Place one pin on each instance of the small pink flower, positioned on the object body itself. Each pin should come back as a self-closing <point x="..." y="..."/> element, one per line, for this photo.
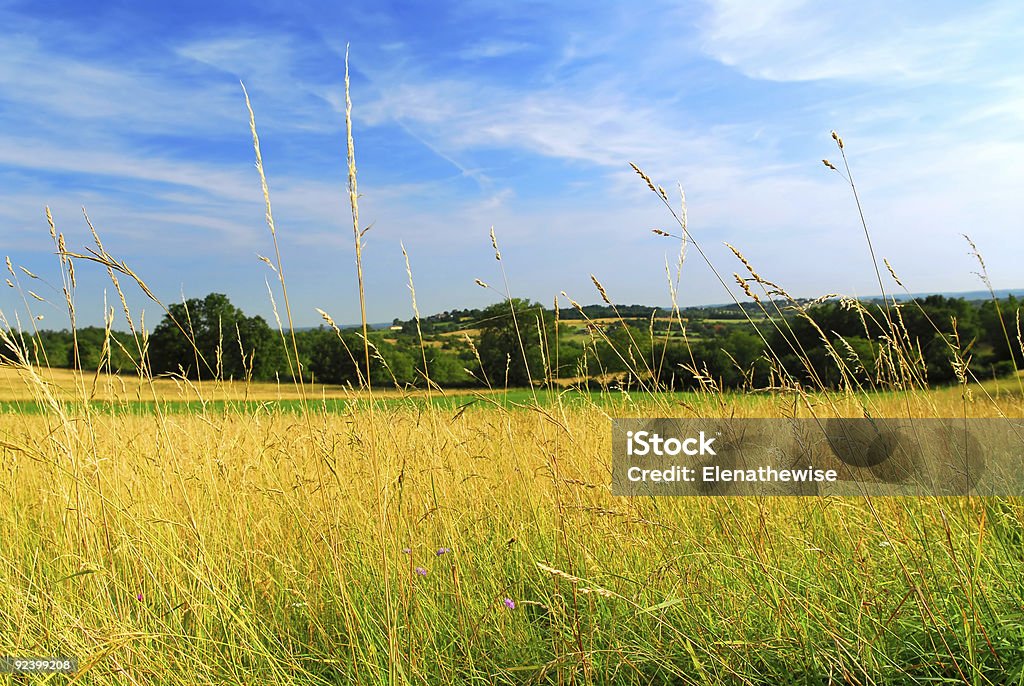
<point x="420" y="571"/>
<point x="509" y="603"/>
<point x="139" y="597"/>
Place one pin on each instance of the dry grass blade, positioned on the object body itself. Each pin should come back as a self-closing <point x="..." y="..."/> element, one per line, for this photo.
<point x="353" y="196"/>
<point x="294" y="363"/>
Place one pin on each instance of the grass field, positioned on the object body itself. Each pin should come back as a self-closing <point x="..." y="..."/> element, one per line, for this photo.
<point x="405" y="542"/>
<point x="164" y="531"/>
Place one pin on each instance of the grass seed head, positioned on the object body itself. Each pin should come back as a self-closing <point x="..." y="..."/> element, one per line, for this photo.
<point x="600" y="289"/>
<point x="494" y="242"/>
<point x="892" y="273"/>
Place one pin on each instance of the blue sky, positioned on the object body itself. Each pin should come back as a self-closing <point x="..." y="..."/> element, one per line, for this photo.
<point x="523" y="116"/>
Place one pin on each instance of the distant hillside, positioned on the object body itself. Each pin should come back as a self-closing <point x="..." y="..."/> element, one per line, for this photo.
<point x="969" y="296"/>
<point x="455" y="319"/>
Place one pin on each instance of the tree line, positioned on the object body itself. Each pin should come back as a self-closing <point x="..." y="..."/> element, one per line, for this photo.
<point x="518" y="343"/>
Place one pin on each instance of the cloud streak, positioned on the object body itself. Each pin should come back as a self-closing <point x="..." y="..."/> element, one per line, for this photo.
<point x="798" y="40"/>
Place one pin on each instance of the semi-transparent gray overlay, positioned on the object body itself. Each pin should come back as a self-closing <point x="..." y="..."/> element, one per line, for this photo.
<point x="817" y="457"/>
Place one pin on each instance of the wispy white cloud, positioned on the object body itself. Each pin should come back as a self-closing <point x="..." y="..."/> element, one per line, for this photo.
<point x="491" y="49"/>
<point x="110" y="160"/>
<point x="294" y="77"/>
<point x="44" y="89"/>
<point x="799" y="40"/>
<point x="600" y="127"/>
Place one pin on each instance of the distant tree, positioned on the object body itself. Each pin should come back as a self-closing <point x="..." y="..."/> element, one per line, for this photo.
<point x="570" y="354"/>
<point x="47" y="348"/>
<point x="446" y="369"/>
<point x="630" y="347"/>
<point x="90" y="348"/>
<point x="510" y="339"/>
<point x="211" y="337"/>
<point x="338" y="359"/>
<point x="334" y="358"/>
<point x="999" y="329"/>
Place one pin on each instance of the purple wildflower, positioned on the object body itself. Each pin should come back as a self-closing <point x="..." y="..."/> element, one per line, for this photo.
<point x="443" y="551"/>
<point x="509" y="603"/>
<point x="420" y="571"/>
<point x="139" y="596"/>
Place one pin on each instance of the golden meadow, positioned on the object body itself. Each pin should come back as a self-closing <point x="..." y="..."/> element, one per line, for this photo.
<point x="258" y="533"/>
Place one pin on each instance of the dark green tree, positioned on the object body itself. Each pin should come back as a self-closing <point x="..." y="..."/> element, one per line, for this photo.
<point x="335" y="358"/>
<point x="96" y="351"/>
<point x="510" y="339"/>
<point x="446" y="368"/>
<point x="998" y="325"/>
<point x="212" y="338"/>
